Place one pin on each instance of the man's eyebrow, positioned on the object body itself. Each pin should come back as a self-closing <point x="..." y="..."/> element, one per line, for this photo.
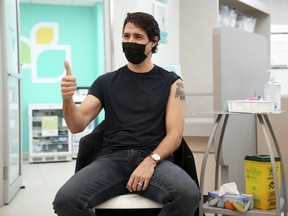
<point x="138" y="34"/>
<point x="134" y="34"/>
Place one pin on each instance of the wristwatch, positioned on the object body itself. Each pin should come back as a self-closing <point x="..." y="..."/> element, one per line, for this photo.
<point x="155" y="157"/>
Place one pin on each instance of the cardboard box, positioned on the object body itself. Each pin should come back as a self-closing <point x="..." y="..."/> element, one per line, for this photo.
<point x="242" y="202"/>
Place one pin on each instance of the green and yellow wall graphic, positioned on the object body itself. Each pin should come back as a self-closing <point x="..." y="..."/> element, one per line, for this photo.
<point x="43" y="46"/>
<point x="50" y="34"/>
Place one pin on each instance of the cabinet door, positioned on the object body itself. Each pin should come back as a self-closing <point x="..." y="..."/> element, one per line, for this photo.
<point x="240" y="61"/>
<point x="11" y="98"/>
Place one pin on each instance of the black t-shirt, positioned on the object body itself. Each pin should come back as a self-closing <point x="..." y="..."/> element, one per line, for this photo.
<point x="135" y="107"/>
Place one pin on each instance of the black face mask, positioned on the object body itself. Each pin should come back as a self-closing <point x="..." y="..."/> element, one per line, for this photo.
<point x="135" y="53"/>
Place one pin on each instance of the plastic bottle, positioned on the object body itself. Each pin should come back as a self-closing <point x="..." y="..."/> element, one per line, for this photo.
<point x="272" y="91"/>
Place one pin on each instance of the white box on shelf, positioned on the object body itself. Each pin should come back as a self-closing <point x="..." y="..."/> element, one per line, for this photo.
<point x="250" y="106"/>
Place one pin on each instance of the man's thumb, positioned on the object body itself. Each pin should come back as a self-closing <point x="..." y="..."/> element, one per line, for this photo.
<point x="67" y="68"/>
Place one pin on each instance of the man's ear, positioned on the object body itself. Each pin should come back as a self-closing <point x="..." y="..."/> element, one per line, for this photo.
<point x="155" y="40"/>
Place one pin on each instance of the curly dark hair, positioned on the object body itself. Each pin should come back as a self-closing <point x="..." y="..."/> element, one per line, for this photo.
<point x="146" y="22"/>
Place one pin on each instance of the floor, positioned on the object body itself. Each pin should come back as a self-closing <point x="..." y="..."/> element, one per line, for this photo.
<point x="41" y="182"/>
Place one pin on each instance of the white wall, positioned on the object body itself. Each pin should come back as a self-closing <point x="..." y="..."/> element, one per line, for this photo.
<point x="279" y="17"/>
<point x="279" y="10"/>
<point x="168" y="54"/>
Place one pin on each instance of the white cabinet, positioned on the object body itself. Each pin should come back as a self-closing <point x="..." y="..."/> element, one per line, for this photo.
<point x="49" y="137"/>
<point x="197" y="21"/>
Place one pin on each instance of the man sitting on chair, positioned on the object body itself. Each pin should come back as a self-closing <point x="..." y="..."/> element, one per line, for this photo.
<point x="144" y="120"/>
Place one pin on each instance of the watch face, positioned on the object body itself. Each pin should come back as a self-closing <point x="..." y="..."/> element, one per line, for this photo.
<point x="155" y="157"/>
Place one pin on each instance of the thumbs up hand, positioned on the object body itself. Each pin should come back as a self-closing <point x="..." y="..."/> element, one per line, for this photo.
<point x="67" y="68"/>
<point x="68" y="83"/>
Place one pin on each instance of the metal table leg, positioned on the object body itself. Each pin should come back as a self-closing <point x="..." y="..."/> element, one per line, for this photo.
<point x="205" y="157"/>
<point x="268" y="130"/>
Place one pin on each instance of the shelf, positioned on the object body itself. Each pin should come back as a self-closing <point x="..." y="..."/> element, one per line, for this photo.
<point x="253" y="212"/>
<point x="43" y="137"/>
<point x="50" y="158"/>
<point x="247" y="6"/>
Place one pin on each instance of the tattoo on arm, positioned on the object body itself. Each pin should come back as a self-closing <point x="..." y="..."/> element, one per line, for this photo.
<point x="180" y="91"/>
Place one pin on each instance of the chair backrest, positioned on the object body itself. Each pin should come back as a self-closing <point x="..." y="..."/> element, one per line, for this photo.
<point x="89" y="147"/>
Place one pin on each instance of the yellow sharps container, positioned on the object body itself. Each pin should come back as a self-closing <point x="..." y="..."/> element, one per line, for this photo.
<point x="260" y="181"/>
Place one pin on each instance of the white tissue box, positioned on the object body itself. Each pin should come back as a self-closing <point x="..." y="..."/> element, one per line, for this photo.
<point x="242" y="202"/>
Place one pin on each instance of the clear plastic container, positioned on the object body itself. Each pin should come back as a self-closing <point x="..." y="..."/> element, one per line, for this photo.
<point x="272" y="91"/>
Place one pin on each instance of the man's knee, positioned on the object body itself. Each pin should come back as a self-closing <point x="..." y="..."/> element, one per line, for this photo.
<point x="190" y="191"/>
<point x="63" y="201"/>
<point x="59" y="203"/>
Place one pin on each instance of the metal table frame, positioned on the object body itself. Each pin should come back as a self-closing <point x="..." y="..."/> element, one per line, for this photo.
<point x="270" y="139"/>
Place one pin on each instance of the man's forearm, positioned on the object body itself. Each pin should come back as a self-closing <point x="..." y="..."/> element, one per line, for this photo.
<point x="73" y="116"/>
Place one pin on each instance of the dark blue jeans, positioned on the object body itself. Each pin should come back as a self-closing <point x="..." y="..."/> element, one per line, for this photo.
<point x="107" y="177"/>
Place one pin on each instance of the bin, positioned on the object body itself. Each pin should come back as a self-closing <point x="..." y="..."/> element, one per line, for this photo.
<point x="260" y="180"/>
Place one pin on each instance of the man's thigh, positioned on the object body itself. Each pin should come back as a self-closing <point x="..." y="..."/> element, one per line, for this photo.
<point x="168" y="178"/>
<point x="102" y="179"/>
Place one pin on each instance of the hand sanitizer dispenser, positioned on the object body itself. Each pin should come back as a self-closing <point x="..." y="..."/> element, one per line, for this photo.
<point x="272" y="91"/>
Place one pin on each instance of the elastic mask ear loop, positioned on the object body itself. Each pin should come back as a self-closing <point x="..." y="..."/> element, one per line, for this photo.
<point x="151" y="48"/>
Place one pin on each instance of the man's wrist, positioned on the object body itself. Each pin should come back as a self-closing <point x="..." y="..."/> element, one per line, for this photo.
<point x="156" y="157"/>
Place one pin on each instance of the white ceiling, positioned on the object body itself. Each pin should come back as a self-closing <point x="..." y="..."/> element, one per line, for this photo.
<point x="63" y="2"/>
